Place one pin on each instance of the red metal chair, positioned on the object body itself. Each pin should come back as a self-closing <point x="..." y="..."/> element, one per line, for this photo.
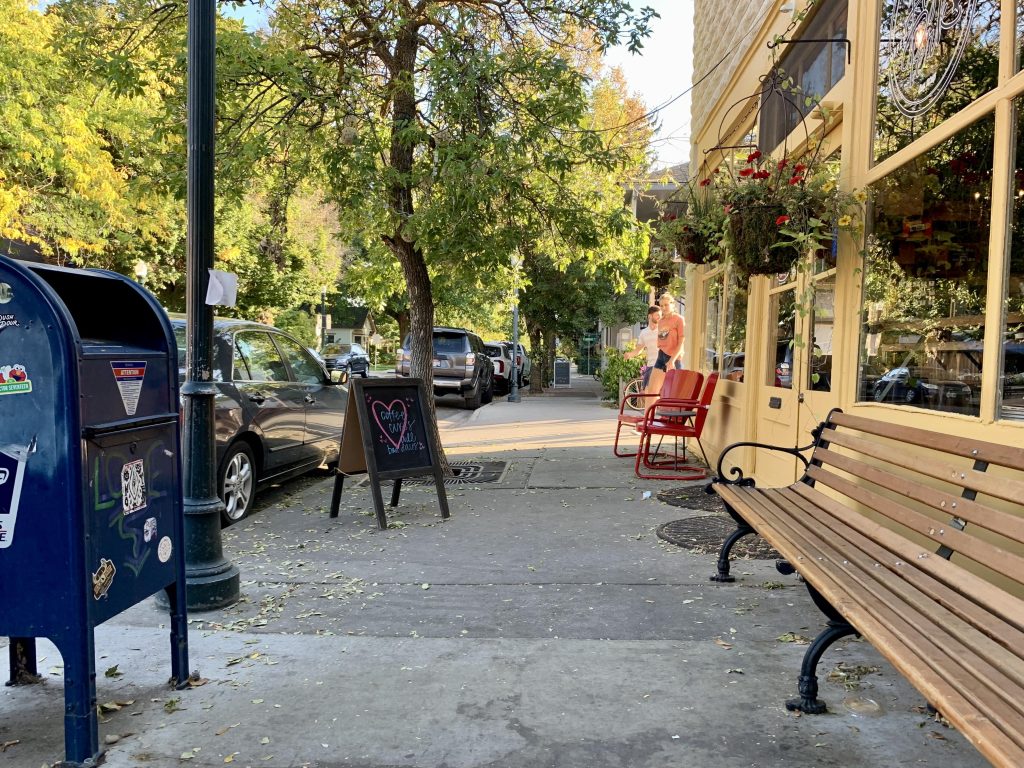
<point x="675" y="418"/>
<point x="678" y="385"/>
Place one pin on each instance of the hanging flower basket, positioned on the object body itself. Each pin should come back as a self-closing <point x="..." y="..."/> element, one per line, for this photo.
<point x="695" y="247"/>
<point x="755" y="242"/>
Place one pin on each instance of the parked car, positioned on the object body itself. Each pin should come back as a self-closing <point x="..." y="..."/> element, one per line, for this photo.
<point x="278" y="412"/>
<point x="461" y="365"/>
<point x="501" y="355"/>
<point x="347" y="357"/>
<point x="523" y="363"/>
<point x="906" y="385"/>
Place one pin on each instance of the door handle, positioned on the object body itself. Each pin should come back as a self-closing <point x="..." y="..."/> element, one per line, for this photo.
<point x="800" y="397"/>
<point x="257" y="397"/>
<point x="309" y="399"/>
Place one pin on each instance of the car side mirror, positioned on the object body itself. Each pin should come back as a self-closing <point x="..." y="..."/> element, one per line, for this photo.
<point x="339" y="377"/>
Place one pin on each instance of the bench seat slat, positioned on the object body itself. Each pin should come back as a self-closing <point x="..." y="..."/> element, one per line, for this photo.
<point x="913" y="636"/>
<point x="992" y="741"/>
<point x="969" y="448"/>
<point x="903" y="582"/>
<point x="995" y="520"/>
<point x="1008" y="489"/>
<point x="1006" y="563"/>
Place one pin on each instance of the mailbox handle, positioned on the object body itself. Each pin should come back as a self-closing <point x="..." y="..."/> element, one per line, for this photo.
<point x="309" y="399"/>
<point x="128" y="425"/>
<point x="257" y="397"/>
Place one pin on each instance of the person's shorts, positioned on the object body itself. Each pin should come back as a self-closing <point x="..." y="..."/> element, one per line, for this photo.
<point x="647" y="374"/>
<point x="662" y="362"/>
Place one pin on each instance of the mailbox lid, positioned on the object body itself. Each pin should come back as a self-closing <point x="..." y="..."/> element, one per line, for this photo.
<point x="128" y="357"/>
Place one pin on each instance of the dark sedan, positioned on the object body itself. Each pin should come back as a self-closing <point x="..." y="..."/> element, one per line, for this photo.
<point x="278" y="412"/>
<point x="346" y="357"/>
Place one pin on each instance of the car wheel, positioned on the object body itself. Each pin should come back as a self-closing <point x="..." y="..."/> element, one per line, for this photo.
<point x="879" y="394"/>
<point x="910" y="396"/>
<point x="473" y="398"/>
<point x="488" y="394"/>
<point x="366" y="371"/>
<point x="237" y="482"/>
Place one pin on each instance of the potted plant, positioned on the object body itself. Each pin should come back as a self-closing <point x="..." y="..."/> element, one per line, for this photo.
<point x="697" y="233"/>
<point x="779" y="210"/>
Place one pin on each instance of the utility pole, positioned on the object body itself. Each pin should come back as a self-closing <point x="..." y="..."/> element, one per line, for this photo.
<point x="211" y="581"/>
<point x="323" y="317"/>
<point x="513" y="382"/>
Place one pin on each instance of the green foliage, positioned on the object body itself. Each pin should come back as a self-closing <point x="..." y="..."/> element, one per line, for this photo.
<point x="617" y="368"/>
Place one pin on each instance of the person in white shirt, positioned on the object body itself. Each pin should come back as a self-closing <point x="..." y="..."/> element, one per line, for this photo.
<point x="647" y="343"/>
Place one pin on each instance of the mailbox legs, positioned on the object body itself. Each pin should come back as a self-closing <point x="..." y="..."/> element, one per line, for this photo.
<point x="23" y="661"/>
<point x="179" y="633"/>
<point x="81" y="727"/>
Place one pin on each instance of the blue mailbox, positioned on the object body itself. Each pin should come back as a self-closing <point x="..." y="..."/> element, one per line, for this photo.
<point x="91" y="517"/>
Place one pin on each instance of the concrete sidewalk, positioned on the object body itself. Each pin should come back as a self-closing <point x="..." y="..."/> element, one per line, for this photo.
<point x="543" y="625"/>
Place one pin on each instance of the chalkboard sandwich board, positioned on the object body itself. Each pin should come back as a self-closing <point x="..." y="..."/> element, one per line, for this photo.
<point x="388" y="435"/>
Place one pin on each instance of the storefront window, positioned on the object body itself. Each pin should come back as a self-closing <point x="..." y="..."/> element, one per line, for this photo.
<point x="819" y="360"/>
<point x="713" y="291"/>
<point x="781" y="340"/>
<point x="925" y="277"/>
<point x="813" y="68"/>
<point x="931" y="65"/>
<point x="1020" y="34"/>
<point x="734" y="343"/>
<point x="1011" y="387"/>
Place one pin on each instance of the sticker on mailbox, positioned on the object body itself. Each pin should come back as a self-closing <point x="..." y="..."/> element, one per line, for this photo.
<point x="129" y="375"/>
<point x="7" y="320"/>
<point x="103" y="578"/>
<point x="133" y="486"/>
<point x="14" y="380"/>
<point x="12" y="472"/>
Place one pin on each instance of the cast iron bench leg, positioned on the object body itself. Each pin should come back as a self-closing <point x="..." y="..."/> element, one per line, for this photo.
<point x="742" y="529"/>
<point x="809" y="703"/>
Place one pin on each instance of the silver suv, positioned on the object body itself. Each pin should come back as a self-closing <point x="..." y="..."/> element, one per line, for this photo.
<point x="461" y="366"/>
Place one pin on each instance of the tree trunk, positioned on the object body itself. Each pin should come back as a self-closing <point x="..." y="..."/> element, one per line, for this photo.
<point x="400" y="193"/>
<point x="538" y="358"/>
<point x="549" y="353"/>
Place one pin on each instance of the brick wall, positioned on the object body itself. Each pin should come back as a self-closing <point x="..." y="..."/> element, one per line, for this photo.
<point x="721" y="26"/>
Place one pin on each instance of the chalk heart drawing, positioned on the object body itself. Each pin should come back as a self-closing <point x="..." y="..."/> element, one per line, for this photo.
<point x="389" y="421"/>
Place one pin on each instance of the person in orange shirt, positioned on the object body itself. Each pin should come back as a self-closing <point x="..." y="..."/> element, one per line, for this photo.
<point x="671" y="332"/>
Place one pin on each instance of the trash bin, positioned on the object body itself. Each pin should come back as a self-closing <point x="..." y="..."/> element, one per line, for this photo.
<point x="90" y="473"/>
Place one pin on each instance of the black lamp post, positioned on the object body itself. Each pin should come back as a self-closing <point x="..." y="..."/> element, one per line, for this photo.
<point x="212" y="582"/>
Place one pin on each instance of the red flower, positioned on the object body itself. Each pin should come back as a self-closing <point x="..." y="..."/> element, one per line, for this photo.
<point x="746" y="172"/>
<point x="781" y="220"/>
<point x="705" y="182"/>
<point x="761" y="174"/>
<point x="727" y="208"/>
<point x="783" y="163"/>
<point x="799" y="168"/>
<point x="796" y="180"/>
<point x="753" y="155"/>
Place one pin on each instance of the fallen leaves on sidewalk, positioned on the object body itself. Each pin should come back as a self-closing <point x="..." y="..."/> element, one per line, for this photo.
<point x="722" y="644"/>
<point x="4" y="745"/>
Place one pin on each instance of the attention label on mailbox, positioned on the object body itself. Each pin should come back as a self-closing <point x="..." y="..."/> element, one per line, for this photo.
<point x="129" y="375"/>
<point x="12" y="471"/>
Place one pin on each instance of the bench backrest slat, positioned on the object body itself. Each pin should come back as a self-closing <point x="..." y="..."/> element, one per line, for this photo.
<point x="995" y="520"/>
<point x="1009" y="565"/>
<point x="980" y="591"/>
<point x="980" y="450"/>
<point x="1007" y="489"/>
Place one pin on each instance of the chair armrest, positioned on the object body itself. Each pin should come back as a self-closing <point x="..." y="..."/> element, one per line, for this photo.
<point x="622" y="405"/>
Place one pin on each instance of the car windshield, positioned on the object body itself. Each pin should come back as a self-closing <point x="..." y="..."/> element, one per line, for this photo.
<point x="337" y="349"/>
<point x="493" y="350"/>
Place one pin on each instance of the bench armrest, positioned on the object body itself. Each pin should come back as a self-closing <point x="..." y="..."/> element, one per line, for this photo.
<point x="740" y="479"/>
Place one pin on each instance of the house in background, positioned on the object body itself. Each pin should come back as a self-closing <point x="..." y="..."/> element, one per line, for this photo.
<point x="347" y="324"/>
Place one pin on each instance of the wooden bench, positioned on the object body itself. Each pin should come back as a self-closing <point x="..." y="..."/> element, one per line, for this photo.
<point x="862" y="526"/>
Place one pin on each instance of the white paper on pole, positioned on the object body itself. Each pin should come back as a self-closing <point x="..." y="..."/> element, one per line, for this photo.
<point x="223" y="288"/>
